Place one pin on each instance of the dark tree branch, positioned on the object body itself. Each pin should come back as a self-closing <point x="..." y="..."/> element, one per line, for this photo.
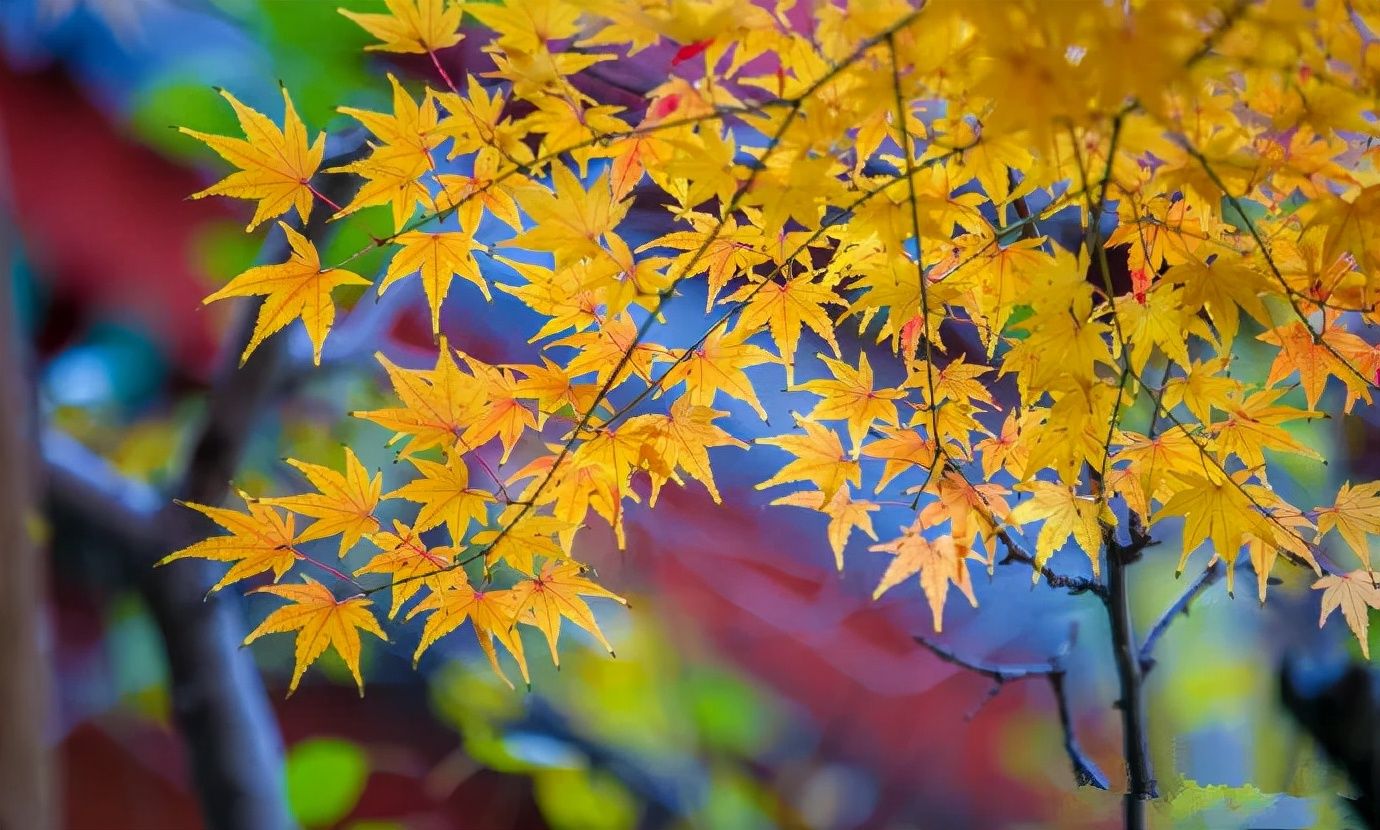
<point x="1210" y="575"/>
<point x="1074" y="584"/>
<point x="1140" y="779"/>
<point x="1085" y="770"/>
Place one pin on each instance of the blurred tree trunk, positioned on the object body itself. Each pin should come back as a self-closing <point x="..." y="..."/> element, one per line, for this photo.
<point x="26" y="801"/>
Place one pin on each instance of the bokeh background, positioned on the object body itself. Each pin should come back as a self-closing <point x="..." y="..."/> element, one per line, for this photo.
<point x="754" y="685"/>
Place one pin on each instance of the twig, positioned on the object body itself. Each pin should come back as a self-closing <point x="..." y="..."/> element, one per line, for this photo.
<point x="1204" y="580"/>
<point x="1074" y="584"/>
<point x="1085" y="770"/>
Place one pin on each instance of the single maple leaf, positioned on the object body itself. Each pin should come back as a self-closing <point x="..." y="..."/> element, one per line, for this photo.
<point x="436" y="258"/>
<point x="555" y="593"/>
<point x="849" y="396"/>
<point x="680" y="440"/>
<point x="505" y="415"/>
<point x="528" y="536"/>
<point x="1355" y="593"/>
<point x="345" y="504"/>
<point x="259" y="541"/>
<point x="491" y="612"/>
<point x="297" y="288"/>
<point x="901" y="449"/>
<point x="412" y="26"/>
<point x="1354" y="515"/>
<point x="1065" y="514"/>
<point x="437" y="404"/>
<point x="276" y="165"/>
<point x="1215" y="508"/>
<point x="1315" y="359"/>
<point x="844" y="514"/>
<point x="446" y="497"/>
<point x="820" y="459"/>
<point x="785" y="307"/>
<point x="408" y="560"/>
<point x="717" y="366"/>
<point x="939" y="563"/>
<point x="320" y="620"/>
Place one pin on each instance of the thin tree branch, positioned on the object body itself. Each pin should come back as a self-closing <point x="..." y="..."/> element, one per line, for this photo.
<point x="1074" y="584"/>
<point x="1085" y="770"/>
<point x="1210" y="575"/>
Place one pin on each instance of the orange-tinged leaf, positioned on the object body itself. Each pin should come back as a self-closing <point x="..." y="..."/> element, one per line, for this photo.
<point x="939" y="563"/>
<point x="345" y="504"/>
<point x="901" y="449"/>
<point x="680" y="440"/>
<point x="320" y="621"/>
<point x="819" y="458"/>
<point x="1355" y="593"/>
<point x="844" y="514"/>
<point x="493" y="614"/>
<point x="1314" y="358"/>
<point x="298" y="288"/>
<point x="261" y="540"/>
<point x="412" y="26"/>
<point x="556" y="593"/>
<point x="1354" y="515"/>
<point x="276" y="165"/>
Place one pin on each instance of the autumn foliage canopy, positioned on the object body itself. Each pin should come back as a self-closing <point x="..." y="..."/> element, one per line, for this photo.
<point x="888" y="170"/>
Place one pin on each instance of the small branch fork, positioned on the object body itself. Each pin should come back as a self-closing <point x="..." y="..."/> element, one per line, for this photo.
<point x="1085" y="771"/>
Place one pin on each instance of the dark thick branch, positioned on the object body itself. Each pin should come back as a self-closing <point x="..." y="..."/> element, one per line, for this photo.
<point x="1085" y="771"/>
<point x="1140" y="780"/>
<point x="1202" y="582"/>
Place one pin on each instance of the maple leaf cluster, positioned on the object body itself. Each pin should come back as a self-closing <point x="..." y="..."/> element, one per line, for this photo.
<point x="863" y="168"/>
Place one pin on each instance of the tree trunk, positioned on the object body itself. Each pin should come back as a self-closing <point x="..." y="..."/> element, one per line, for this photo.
<point x="25" y="763"/>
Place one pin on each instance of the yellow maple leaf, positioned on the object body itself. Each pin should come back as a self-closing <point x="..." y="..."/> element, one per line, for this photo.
<point x="1355" y="593"/>
<point x="901" y="449"/>
<point x="320" y="621"/>
<point x="297" y="288"/>
<point x="849" y="396"/>
<point x="820" y="459"/>
<point x="276" y="165"/>
<point x="785" y="307"/>
<point x="437" y="404"/>
<point x="680" y="440"/>
<point x="261" y="540"/>
<point x="435" y="258"/>
<point x="1216" y="508"/>
<point x="444" y="492"/>
<point x="344" y="505"/>
<point x="939" y="564"/>
<point x="408" y="560"/>
<point x="555" y="593"/>
<point x="412" y="26"/>
<point x="844" y="512"/>
<point x="1354" y="515"/>
<point x="716" y="366"/>
<point x="1065" y="514"/>
<point x="491" y="612"/>
<point x="527" y="537"/>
